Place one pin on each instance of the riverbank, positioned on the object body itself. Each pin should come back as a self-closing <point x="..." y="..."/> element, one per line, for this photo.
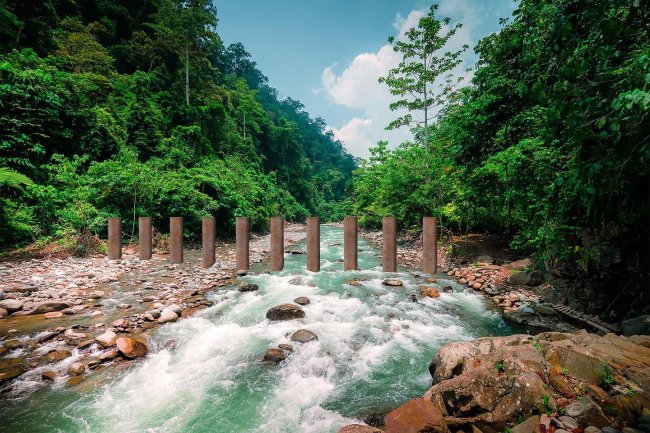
<point x="551" y="382"/>
<point x="65" y="318"/>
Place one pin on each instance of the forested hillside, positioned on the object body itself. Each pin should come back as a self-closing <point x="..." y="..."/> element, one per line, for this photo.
<point x="136" y="107"/>
<point x="548" y="143"/>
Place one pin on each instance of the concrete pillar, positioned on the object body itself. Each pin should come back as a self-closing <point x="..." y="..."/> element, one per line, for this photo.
<point x="242" y="232"/>
<point x="350" y="243"/>
<point x="389" y="228"/>
<point x="207" y="235"/>
<point x="144" y="238"/>
<point x="313" y="244"/>
<point x="114" y="238"/>
<point x="430" y="245"/>
<point x="176" y="239"/>
<point x="277" y="243"/>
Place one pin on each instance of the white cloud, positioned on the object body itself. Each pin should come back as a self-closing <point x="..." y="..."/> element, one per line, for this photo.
<point x="357" y="88"/>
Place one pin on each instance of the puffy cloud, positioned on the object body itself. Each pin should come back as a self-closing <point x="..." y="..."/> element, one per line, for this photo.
<point x="357" y="88"/>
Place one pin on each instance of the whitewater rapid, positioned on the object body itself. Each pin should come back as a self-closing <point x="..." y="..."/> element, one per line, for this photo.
<point x="372" y="354"/>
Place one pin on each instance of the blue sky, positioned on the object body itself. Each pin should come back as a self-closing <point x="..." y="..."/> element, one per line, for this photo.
<point x="329" y="53"/>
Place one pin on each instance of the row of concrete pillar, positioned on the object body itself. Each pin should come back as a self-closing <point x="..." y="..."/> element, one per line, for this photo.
<point x="242" y="233"/>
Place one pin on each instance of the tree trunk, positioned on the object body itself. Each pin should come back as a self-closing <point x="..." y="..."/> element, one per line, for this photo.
<point x="187" y="75"/>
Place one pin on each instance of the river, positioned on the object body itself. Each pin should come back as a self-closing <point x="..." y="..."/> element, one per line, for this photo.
<point x="373" y="352"/>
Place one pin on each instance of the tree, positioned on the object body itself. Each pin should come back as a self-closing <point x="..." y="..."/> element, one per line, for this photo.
<point x="414" y="79"/>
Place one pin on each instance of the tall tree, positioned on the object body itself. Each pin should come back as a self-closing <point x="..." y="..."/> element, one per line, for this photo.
<point x="414" y="79"/>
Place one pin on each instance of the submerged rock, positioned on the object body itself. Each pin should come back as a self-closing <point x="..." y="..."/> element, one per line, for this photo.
<point x="274" y="356"/>
<point x="131" y="348"/>
<point x="248" y="287"/>
<point x="429" y="292"/>
<point x="304" y="336"/>
<point x="58" y="355"/>
<point x="393" y="282"/>
<point x="285" y="312"/>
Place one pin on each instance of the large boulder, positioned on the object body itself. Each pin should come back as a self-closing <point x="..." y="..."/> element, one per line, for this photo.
<point x="11" y="305"/>
<point x="248" y="287"/>
<point x="417" y="416"/>
<point x="49" y="306"/>
<point x="274" y="356"/>
<point x="131" y="348"/>
<point x="285" y="312"/>
<point x="304" y="336"/>
<point x="167" y="315"/>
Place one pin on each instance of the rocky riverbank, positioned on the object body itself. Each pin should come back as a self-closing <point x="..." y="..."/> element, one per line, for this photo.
<point x="548" y="383"/>
<point x="63" y="319"/>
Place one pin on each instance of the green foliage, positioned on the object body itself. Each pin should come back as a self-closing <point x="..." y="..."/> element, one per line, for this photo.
<point x="606" y="378"/>
<point x="96" y="113"/>
<point x="500" y="366"/>
<point x="549" y="143"/>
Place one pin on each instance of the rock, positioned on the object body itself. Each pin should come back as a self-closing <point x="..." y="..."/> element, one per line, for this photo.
<point x="11" y="305"/>
<point x="176" y="309"/>
<point x="108" y="354"/>
<point x="241" y="273"/>
<point x="393" y="282"/>
<point x="3" y="313"/>
<point x="106" y="339"/>
<point x="462" y="281"/>
<point x="119" y="323"/>
<point x="75" y="380"/>
<point x="49" y="375"/>
<point x="296" y="252"/>
<point x="519" y="265"/>
<point x="416" y="416"/>
<point x="11" y="371"/>
<point x="636" y="326"/>
<point x="287" y="347"/>
<point x="569" y="423"/>
<point x="274" y="356"/>
<point x="484" y="259"/>
<point x="545" y="309"/>
<point x="592" y="429"/>
<point x="48" y="306"/>
<point x="304" y="336"/>
<point x="131" y="348"/>
<point x="429" y="292"/>
<point x="247" y="287"/>
<point x="536" y="278"/>
<point x="610" y="430"/>
<point x="53" y="315"/>
<point x="76" y="369"/>
<point x="84" y="344"/>
<point x="167" y="315"/>
<point x="519" y="278"/>
<point x="529" y="426"/>
<point x="154" y="313"/>
<point x="285" y="312"/>
<point x="586" y="412"/>
<point x="301" y="300"/>
<point x="58" y="355"/>
<point x="477" y="286"/>
<point x="358" y="428"/>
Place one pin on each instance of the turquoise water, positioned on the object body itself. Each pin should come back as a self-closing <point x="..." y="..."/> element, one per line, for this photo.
<point x="373" y="353"/>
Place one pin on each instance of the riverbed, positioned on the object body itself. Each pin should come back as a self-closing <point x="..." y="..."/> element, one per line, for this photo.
<point x="372" y="354"/>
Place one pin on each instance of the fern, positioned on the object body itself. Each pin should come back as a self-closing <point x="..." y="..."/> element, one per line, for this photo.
<point x="13" y="179"/>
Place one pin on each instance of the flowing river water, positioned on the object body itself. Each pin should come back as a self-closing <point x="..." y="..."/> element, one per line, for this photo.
<point x="373" y="352"/>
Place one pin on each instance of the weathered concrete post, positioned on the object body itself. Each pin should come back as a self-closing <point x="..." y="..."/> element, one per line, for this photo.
<point x="144" y="238"/>
<point x="207" y="236"/>
<point x="313" y="244"/>
<point x="241" y="237"/>
<point x="277" y="243"/>
<point x="430" y="245"/>
<point x="350" y="243"/>
<point x="114" y="238"/>
<point x="176" y="239"/>
<point x="389" y="228"/>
